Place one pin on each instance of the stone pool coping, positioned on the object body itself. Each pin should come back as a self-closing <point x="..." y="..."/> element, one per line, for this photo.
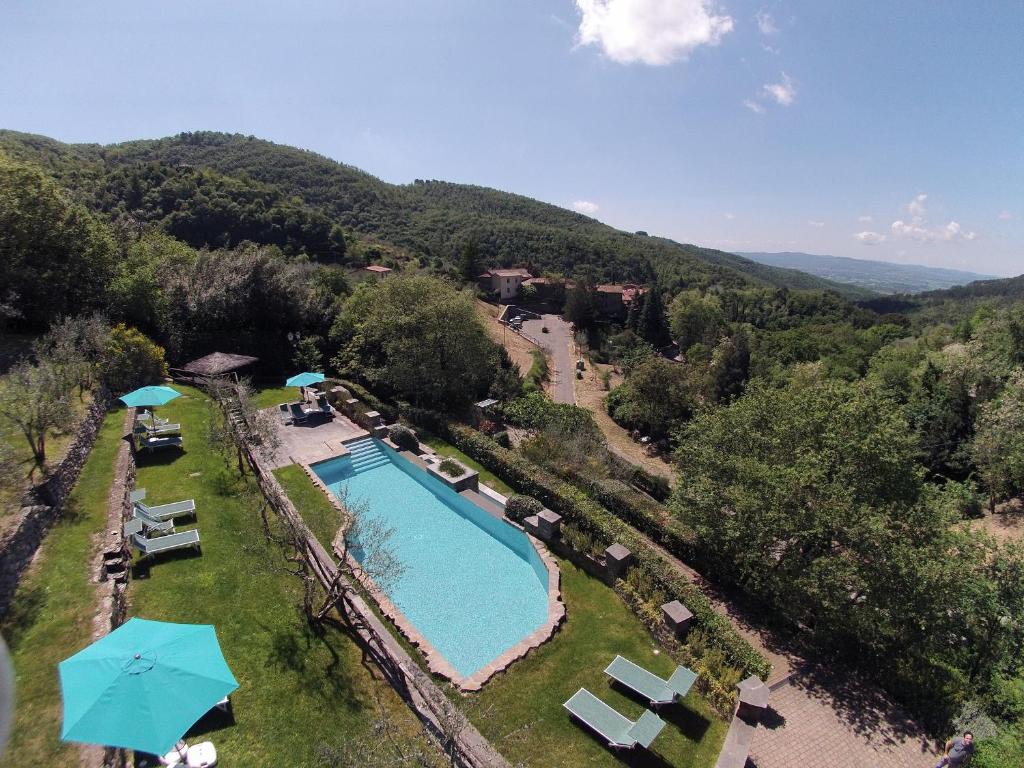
<point x="436" y="662"/>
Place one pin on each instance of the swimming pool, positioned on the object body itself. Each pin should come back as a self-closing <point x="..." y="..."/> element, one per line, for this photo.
<point x="473" y="586"/>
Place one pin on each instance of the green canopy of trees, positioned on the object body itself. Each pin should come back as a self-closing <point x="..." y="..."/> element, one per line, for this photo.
<point x="418" y="337"/>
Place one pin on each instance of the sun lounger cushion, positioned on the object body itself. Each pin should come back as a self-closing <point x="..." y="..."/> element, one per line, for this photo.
<point x="616" y="728"/>
<point x="649" y="685"/>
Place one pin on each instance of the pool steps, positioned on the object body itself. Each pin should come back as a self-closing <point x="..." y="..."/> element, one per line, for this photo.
<point x="366" y="454"/>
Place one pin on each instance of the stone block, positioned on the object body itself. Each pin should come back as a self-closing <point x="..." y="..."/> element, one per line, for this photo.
<point x="753" y="699"/>
<point x="617" y="558"/>
<point x="677" y="617"/>
<point x="549" y="525"/>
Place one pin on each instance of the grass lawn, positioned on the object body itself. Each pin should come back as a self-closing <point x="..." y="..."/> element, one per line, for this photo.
<point x="51" y="617"/>
<point x="441" y="448"/>
<point x="320" y="515"/>
<point x="57" y="444"/>
<point x="297" y="690"/>
<point x="530" y="694"/>
<point x="521" y="709"/>
<point x="265" y="398"/>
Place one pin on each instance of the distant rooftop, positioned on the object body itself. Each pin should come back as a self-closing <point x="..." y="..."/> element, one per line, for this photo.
<point x="508" y="273"/>
<point x="218" y="363"/>
<point x="378" y="268"/>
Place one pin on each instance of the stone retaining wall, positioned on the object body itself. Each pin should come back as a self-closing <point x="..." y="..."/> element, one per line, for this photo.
<point x="44" y="503"/>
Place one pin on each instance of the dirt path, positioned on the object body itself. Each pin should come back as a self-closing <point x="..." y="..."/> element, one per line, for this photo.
<point x="518" y="348"/>
<point x="590" y="394"/>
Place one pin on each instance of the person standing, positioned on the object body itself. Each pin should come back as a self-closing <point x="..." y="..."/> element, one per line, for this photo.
<point x="959" y="752"/>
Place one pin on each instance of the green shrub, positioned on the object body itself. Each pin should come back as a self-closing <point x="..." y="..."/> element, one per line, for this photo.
<point x="536" y="411"/>
<point x="132" y="360"/>
<point x="404" y="438"/>
<point x="374" y="403"/>
<point x="518" y="508"/>
<point x="502" y="439"/>
<point x="451" y="467"/>
<point x="538" y="373"/>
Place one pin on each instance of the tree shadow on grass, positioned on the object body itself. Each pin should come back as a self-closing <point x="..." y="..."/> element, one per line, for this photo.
<point x="294" y="650"/>
<point x="141" y="567"/>
<point x="159" y="458"/>
<point x="22" y="614"/>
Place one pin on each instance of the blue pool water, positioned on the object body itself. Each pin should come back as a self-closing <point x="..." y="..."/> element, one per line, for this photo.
<point x="473" y="585"/>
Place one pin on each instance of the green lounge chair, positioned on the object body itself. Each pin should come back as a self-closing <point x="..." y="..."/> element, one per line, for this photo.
<point x="161" y="512"/>
<point x="153" y="443"/>
<point x="146" y="526"/>
<point x="649" y="685"/>
<point x="618" y="730"/>
<point x="172" y="541"/>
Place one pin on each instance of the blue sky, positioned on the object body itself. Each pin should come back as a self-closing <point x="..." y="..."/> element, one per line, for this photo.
<point x="889" y="131"/>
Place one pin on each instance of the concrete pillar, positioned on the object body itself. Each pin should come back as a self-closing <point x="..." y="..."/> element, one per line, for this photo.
<point x="616" y="560"/>
<point x="677" y="617"/>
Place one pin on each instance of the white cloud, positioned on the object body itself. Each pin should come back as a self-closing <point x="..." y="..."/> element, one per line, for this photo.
<point x="918" y="228"/>
<point x="865" y="219"/>
<point x="816" y="224"/>
<point x="730" y="216"/>
<point x="783" y="92"/>
<point x="769" y="49"/>
<point x="753" y="106"/>
<point x="586" y="207"/>
<point x="870" y="238"/>
<point x="766" y="23"/>
<point x="655" y="32"/>
<point x="1005" y="215"/>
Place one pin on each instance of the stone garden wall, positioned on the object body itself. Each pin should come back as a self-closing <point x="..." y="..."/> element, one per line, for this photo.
<point x="44" y="503"/>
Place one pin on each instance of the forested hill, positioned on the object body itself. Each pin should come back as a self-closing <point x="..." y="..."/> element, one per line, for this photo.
<point x="880" y="276"/>
<point x="219" y="189"/>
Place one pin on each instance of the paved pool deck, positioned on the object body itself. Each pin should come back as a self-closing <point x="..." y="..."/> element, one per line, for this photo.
<point x="314" y="440"/>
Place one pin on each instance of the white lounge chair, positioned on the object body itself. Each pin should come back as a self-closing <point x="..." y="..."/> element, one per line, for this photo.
<point x="158" y="544"/>
<point x="161" y="512"/>
<point x="618" y="730"/>
<point x="649" y="685"/>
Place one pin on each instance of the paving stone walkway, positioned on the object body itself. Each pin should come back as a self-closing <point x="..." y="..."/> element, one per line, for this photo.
<point x="818" y="720"/>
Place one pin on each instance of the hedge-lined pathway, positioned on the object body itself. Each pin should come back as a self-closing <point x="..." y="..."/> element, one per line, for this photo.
<point x="817" y="719"/>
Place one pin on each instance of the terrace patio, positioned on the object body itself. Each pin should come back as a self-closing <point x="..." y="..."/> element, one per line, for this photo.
<point x="313" y="440"/>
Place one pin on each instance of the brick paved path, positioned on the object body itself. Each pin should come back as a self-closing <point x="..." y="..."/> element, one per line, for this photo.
<point x="819" y="721"/>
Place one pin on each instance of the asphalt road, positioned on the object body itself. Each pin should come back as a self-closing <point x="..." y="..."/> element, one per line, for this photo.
<point x="557" y="342"/>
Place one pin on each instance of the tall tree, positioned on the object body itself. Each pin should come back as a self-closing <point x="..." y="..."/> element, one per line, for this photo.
<point x="419" y="337"/>
<point x="580" y="307"/>
<point x="56" y="258"/>
<point x="36" y="400"/>
<point x="652" y="323"/>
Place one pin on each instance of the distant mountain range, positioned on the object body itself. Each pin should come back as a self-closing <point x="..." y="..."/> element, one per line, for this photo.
<point x="217" y="190"/>
<point x="879" y="276"/>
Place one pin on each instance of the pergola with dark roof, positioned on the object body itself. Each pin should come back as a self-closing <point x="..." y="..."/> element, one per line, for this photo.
<point x="218" y="364"/>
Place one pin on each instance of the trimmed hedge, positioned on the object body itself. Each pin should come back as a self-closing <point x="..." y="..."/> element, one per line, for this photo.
<point x="389" y="412"/>
<point x="519" y="508"/>
<point x="596" y="521"/>
<point x="404" y="438"/>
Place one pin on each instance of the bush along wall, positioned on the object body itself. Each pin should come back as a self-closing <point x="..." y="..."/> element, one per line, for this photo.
<point x="594" y="528"/>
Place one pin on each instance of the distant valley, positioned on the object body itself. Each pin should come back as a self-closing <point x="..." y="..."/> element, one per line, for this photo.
<point x="879" y="276"/>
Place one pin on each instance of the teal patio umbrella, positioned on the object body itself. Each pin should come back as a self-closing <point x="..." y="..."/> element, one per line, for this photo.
<point x="143" y="685"/>
<point x="304" y="379"/>
<point x="149" y="397"/>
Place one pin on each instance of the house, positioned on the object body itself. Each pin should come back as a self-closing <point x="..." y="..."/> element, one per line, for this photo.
<point x="377" y="270"/>
<point x="503" y="282"/>
<point x="547" y="288"/>
<point x="614" y="300"/>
